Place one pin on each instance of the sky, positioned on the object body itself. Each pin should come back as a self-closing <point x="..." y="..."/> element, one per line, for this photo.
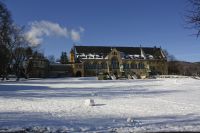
<point x="56" y="25"/>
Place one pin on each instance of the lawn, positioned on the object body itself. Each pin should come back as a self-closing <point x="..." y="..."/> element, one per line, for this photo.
<point x="168" y="104"/>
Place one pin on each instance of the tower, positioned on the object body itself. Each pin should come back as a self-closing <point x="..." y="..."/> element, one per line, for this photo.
<point x="72" y="55"/>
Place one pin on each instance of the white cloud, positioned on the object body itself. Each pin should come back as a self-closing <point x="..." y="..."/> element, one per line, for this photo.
<point x="40" y="29"/>
<point x="75" y="35"/>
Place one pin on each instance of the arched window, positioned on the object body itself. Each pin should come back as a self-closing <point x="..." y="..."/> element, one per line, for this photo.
<point x="114" y="63"/>
<point x="114" y="53"/>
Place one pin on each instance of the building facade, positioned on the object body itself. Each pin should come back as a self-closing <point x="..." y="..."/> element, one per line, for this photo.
<point x="38" y="67"/>
<point x="42" y="68"/>
<point x="140" y="61"/>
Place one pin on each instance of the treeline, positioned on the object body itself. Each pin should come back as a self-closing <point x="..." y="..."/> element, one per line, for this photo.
<point x="15" y="51"/>
<point x="181" y="67"/>
<point x="184" y="68"/>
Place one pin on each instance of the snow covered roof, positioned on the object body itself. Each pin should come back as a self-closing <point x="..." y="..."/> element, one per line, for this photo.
<point x="105" y="50"/>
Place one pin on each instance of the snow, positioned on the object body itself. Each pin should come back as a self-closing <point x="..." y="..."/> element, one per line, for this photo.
<point x="89" y="56"/>
<point x="130" y="120"/>
<point x="89" y="102"/>
<point x="149" y="56"/>
<point x="58" y="105"/>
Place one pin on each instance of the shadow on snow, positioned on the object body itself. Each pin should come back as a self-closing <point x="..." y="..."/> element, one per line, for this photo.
<point x="149" y="123"/>
<point x="25" y="91"/>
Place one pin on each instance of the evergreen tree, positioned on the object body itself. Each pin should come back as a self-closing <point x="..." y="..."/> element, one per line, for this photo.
<point x="64" y="58"/>
<point x="5" y="39"/>
<point x="4" y="61"/>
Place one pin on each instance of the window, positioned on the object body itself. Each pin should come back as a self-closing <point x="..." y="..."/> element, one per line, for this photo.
<point x="89" y="66"/>
<point x="114" y="53"/>
<point x="101" y="65"/>
<point x="85" y="66"/>
<point x="133" y="66"/>
<point x="125" y="65"/>
<point x="104" y="65"/>
<point x="94" y="65"/>
<point x="141" y="66"/>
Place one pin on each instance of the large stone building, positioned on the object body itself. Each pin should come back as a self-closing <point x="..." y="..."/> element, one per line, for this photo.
<point x="140" y="61"/>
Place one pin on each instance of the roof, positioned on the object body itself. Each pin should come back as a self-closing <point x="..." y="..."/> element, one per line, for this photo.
<point x="93" y="49"/>
<point x="106" y="49"/>
<point x="156" y="52"/>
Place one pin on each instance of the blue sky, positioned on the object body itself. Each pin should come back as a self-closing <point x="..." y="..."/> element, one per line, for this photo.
<point x="111" y="22"/>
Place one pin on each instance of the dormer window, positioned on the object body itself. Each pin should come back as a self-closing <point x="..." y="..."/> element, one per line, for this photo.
<point x="114" y="53"/>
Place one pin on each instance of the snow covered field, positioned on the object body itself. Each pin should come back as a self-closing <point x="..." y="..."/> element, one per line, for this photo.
<point x="121" y="105"/>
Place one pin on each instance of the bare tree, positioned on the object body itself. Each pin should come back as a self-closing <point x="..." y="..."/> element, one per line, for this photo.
<point x="169" y="56"/>
<point x="21" y="52"/>
<point x="193" y="16"/>
<point x="51" y="59"/>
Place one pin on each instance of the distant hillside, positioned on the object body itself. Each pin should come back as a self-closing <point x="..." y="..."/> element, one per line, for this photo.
<point x="184" y="68"/>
